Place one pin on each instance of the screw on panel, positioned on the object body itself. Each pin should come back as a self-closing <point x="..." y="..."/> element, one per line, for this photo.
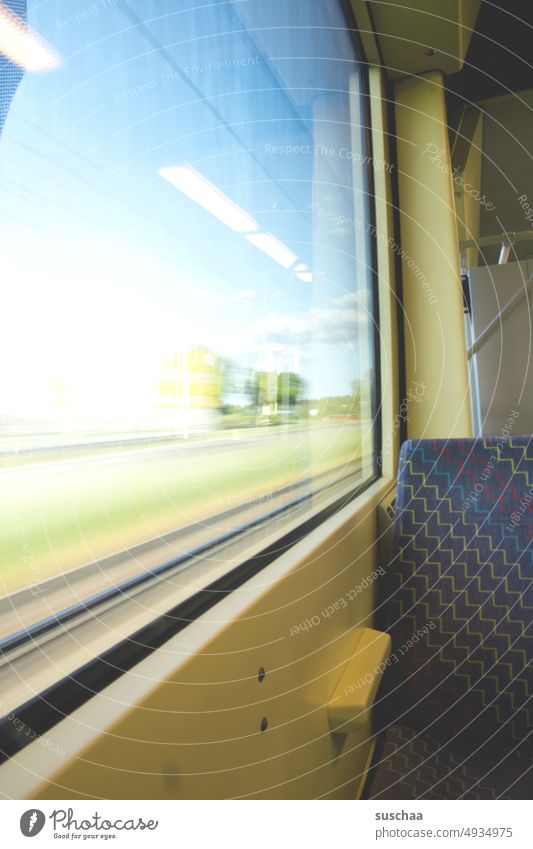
<point x="261" y="674"/>
<point x="264" y="724"/>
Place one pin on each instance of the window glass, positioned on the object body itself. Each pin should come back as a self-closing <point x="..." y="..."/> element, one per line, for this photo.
<point x="187" y="327"/>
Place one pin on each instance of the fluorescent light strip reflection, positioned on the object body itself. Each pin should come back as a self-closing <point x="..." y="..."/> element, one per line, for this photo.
<point x="193" y="184"/>
<point x="302" y="272"/>
<point x="199" y="189"/>
<point x="23" y="46"/>
<point x="275" y="249"/>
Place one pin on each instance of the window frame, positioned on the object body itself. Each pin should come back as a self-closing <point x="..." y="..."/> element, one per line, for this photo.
<point x="50" y="706"/>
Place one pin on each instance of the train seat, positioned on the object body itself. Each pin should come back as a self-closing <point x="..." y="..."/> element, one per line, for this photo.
<point x="454" y="710"/>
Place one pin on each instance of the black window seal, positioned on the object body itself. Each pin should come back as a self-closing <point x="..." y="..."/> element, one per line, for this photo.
<point x="46" y="709"/>
<point x="147" y="577"/>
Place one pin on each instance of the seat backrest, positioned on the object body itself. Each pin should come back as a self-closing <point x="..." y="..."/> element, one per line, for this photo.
<point x="457" y="598"/>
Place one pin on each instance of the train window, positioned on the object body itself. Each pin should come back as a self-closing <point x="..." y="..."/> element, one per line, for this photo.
<point x="188" y="328"/>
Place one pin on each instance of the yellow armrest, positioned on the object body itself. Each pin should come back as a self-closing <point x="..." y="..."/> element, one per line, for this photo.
<point x="350" y="705"/>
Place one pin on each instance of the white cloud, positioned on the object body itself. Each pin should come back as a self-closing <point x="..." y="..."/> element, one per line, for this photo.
<point x="245" y="294"/>
<point x="317" y="326"/>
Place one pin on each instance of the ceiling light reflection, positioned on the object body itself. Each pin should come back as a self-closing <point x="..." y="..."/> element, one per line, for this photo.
<point x="275" y="249"/>
<point x="23" y="46"/>
<point x="199" y="189"/>
<point x="193" y="184"/>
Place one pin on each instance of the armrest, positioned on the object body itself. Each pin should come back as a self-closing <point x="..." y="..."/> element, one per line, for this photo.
<point x="350" y="705"/>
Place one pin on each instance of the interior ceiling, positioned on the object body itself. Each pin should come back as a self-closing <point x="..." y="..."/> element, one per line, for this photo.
<point x="500" y="56"/>
<point x="499" y="63"/>
<point x="507" y="171"/>
<point x="416" y="36"/>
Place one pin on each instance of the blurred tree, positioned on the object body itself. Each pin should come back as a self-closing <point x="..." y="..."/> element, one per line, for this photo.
<point x="263" y="388"/>
<point x="291" y="388"/>
<point x="237" y="383"/>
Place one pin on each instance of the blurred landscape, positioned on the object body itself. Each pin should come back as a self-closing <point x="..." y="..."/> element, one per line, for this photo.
<point x="78" y="486"/>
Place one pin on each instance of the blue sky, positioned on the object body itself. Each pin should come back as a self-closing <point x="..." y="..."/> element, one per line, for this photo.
<point x="110" y="267"/>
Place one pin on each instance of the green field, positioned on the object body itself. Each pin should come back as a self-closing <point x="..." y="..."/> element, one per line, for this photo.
<point x="62" y="512"/>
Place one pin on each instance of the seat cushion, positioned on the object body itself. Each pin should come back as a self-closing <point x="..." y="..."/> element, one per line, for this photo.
<point x="412" y="765"/>
<point x="457" y="597"/>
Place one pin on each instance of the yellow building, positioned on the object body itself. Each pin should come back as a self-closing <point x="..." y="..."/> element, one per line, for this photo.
<point x="191" y="380"/>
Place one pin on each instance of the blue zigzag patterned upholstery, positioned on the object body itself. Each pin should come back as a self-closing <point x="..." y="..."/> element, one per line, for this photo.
<point x="458" y="595"/>
<point x="410" y="765"/>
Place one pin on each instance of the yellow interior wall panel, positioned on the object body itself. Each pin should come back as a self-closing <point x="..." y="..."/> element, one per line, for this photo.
<point x="435" y="346"/>
<point x="467" y="189"/>
<point x="382" y="170"/>
<point x="187" y="721"/>
<point x="194" y="720"/>
<point x="417" y="36"/>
